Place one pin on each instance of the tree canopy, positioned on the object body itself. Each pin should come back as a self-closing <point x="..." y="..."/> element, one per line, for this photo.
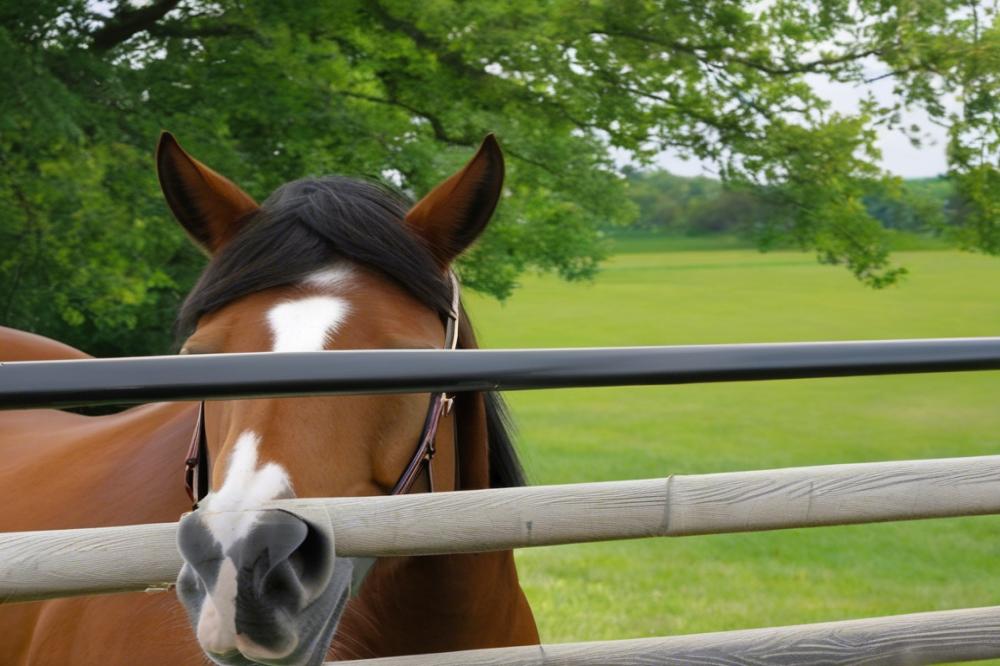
<point x="270" y="90"/>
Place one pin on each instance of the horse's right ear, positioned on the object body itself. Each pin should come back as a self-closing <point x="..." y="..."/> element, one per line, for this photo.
<point x="208" y="205"/>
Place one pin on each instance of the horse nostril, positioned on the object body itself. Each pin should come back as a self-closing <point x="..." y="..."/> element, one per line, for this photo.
<point x="312" y="561"/>
<point x="285" y="560"/>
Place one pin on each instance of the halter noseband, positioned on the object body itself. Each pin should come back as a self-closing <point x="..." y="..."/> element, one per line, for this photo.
<point x="196" y="466"/>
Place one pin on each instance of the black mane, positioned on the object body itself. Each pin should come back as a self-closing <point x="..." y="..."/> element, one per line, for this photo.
<point x="308" y="224"/>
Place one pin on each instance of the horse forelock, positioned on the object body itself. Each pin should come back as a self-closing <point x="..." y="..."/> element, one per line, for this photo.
<point x="305" y="228"/>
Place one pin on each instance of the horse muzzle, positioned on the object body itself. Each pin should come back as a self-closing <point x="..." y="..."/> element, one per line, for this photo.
<point x="261" y="587"/>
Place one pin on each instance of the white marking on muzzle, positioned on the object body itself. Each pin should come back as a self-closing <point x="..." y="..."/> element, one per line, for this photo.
<point x="228" y="514"/>
<point x="217" y="622"/>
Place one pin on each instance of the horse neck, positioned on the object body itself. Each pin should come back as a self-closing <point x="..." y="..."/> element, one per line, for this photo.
<point x="111" y="470"/>
<point x="419" y="605"/>
<point x="94" y="471"/>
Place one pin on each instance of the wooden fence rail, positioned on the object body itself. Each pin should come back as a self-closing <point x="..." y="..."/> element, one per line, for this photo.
<point x="903" y="640"/>
<point x="38" y="565"/>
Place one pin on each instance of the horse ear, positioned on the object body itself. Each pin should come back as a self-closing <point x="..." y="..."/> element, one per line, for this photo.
<point x="208" y="205"/>
<point x="455" y="212"/>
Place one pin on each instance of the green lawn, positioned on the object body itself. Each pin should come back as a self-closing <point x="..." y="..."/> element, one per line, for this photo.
<point x="671" y="586"/>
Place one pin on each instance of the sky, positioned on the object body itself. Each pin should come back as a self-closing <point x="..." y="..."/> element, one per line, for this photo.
<point x="899" y="157"/>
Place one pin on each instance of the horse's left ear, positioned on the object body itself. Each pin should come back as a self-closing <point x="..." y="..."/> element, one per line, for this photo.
<point x="455" y="212"/>
<point x="208" y="205"/>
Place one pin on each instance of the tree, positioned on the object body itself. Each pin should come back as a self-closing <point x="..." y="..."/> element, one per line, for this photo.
<point x="269" y="90"/>
<point x="663" y="200"/>
<point x="920" y="205"/>
<point x="700" y="205"/>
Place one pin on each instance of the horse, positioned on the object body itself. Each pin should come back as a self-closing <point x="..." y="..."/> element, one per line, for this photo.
<point x="323" y="263"/>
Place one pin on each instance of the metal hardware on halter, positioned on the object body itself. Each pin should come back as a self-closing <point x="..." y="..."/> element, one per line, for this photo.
<point x="196" y="464"/>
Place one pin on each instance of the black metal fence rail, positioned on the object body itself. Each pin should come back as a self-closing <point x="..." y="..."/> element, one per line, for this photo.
<point x="29" y="384"/>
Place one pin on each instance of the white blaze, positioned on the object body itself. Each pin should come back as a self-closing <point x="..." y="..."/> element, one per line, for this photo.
<point x="306" y="324"/>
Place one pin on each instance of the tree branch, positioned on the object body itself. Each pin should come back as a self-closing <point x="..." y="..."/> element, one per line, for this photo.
<point x="128" y="22"/>
<point x="425" y="41"/>
<point x="919" y="66"/>
<point x="436" y="125"/>
<point x="704" y="53"/>
<point x="179" y="29"/>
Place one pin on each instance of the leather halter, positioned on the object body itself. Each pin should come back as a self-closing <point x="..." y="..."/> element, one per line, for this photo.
<point x="196" y="466"/>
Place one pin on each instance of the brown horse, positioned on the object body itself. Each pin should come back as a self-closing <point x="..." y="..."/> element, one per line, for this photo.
<point x="327" y="263"/>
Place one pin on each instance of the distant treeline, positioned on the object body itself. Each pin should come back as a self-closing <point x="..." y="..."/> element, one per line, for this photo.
<point x="701" y="205"/>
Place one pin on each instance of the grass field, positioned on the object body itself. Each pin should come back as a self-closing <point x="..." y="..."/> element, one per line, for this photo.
<point x="670" y="586"/>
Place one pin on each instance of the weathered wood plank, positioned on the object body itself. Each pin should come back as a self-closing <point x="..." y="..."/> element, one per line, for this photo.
<point x="675" y="506"/>
<point x="45" y="564"/>
<point x="904" y="640"/>
<point x="63" y="563"/>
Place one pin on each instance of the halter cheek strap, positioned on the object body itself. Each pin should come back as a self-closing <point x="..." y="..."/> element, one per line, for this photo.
<point x="196" y="464"/>
<point x="196" y="468"/>
<point x="440" y="407"/>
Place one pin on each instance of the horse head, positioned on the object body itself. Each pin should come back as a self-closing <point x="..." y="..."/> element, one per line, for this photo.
<point x="322" y="264"/>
